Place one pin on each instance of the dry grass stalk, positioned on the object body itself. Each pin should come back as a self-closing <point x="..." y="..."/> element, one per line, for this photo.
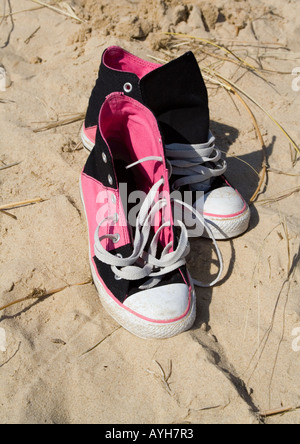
<point x="63" y="122"/>
<point x="59" y="11"/>
<point x="27" y="41"/>
<point x="39" y="293"/>
<point x="238" y="63"/>
<point x="211" y="43"/>
<point x="164" y="379"/>
<point x="262" y="145"/>
<point x="9" y="214"/>
<point x="294" y="156"/>
<point x="5" y="167"/>
<point x="287" y="236"/>
<point x="263" y="45"/>
<point x="21" y="204"/>
<point x="233" y="85"/>
<point x="21" y="12"/>
<point x="274" y="170"/>
<point x="269" y="413"/>
<point x="243" y="161"/>
<point x="279" y="197"/>
<point x="6" y="101"/>
<point x="102" y="340"/>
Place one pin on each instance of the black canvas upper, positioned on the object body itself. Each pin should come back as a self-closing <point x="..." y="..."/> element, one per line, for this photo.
<point x="95" y="166"/>
<point x="175" y="93"/>
<point x="109" y="81"/>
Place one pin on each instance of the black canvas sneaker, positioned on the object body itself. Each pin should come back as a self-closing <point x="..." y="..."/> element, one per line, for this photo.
<point x="137" y="261"/>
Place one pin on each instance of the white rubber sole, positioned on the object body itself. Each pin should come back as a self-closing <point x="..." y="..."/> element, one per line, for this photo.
<point x="86" y="141"/>
<point x="230" y="228"/>
<point x="225" y="228"/>
<point x="141" y="327"/>
<point x="135" y="324"/>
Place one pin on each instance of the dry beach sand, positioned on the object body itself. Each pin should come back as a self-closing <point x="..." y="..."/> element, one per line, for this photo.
<point x="62" y="358"/>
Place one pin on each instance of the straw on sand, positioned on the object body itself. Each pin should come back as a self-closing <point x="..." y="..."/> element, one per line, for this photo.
<point x="280" y="411"/>
<point x="295" y="145"/>
<point x="21" y="204"/>
<point x="211" y="43"/>
<point x="70" y="13"/>
<point x="21" y="11"/>
<point x="62" y="122"/>
<point x="42" y="293"/>
<point x="284" y="195"/>
<point x="5" y="167"/>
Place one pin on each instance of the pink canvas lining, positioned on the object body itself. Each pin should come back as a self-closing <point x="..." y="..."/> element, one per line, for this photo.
<point x="120" y="60"/>
<point x="133" y="127"/>
<point x="141" y="316"/>
<point x="126" y="124"/>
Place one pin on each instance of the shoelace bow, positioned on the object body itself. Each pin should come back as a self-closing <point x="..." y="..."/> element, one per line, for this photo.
<point x="142" y="264"/>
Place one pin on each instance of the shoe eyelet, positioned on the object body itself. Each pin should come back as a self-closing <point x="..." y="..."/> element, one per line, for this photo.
<point x="110" y="179"/>
<point x="113" y="199"/>
<point x="128" y="88"/>
<point x="104" y="157"/>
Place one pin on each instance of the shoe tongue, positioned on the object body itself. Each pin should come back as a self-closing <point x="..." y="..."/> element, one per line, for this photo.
<point x="177" y="95"/>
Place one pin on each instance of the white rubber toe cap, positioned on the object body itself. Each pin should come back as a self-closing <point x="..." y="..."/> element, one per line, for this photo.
<point x="224" y="202"/>
<point x="226" y="211"/>
<point x="168" y="303"/>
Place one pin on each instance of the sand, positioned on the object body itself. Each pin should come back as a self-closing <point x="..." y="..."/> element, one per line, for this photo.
<point x="242" y="357"/>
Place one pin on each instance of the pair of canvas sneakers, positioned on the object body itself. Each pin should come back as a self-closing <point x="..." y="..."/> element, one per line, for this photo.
<point x="148" y="129"/>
